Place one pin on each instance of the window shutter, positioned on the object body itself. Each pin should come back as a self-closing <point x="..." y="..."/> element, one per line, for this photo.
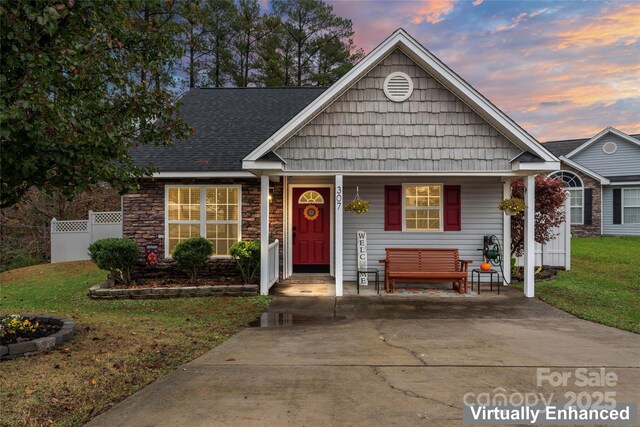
<point x="617" y="206"/>
<point x="393" y="207"/>
<point x="452" y="208"/>
<point x="588" y="206"/>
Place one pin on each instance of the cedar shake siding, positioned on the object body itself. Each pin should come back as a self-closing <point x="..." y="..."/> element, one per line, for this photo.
<point x="595" y="228"/>
<point x="365" y="131"/>
<point x="144" y="222"/>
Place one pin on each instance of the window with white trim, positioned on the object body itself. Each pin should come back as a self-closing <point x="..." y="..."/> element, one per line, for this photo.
<point x="422" y="207"/>
<point x="212" y="212"/>
<point x="631" y="205"/>
<point x="576" y="194"/>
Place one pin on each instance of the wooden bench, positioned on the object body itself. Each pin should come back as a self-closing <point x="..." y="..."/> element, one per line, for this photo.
<point x="424" y="265"/>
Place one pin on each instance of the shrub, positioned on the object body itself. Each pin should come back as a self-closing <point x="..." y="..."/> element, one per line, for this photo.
<point x="247" y="257"/>
<point x="118" y="256"/>
<point x="192" y="254"/>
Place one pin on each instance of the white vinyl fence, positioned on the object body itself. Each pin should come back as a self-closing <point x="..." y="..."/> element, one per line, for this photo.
<point x="556" y="253"/>
<point x="70" y="240"/>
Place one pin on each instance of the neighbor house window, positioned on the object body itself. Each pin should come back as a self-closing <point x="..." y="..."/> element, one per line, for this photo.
<point x="206" y="211"/>
<point x="422" y="207"/>
<point x="631" y="205"/>
<point x="576" y="194"/>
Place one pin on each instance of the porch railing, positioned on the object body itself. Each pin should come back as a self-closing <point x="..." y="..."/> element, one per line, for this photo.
<point x="274" y="262"/>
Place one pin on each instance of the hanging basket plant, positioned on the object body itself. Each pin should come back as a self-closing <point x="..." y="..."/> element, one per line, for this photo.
<point x="358" y="205"/>
<point x="512" y="206"/>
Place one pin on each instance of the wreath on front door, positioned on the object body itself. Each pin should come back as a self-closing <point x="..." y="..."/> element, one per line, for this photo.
<point x="311" y="212"/>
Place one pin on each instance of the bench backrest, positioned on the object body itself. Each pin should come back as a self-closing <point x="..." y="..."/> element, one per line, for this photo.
<point x="409" y="259"/>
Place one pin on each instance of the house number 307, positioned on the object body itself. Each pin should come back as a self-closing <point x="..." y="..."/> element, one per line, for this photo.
<point x="339" y="197"/>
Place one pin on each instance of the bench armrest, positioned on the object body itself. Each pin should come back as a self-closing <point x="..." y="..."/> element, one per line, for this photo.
<point x="464" y="264"/>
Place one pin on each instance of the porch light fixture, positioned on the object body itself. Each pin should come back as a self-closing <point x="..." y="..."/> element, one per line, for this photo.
<point x="271" y="194"/>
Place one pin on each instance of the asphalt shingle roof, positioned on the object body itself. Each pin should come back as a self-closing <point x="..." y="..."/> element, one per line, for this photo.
<point x="564" y="147"/>
<point x="229" y="123"/>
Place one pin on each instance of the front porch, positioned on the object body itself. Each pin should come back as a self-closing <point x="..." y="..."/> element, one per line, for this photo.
<point x="479" y="216"/>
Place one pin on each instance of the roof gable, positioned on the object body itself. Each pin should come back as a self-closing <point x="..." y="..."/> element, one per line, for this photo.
<point x="433" y="66"/>
<point x="364" y="131"/>
<point x="599" y="136"/>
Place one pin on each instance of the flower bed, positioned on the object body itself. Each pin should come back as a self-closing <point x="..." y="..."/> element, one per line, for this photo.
<point x="28" y="335"/>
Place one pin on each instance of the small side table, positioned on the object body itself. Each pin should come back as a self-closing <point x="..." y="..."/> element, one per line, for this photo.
<point x="369" y="271"/>
<point x="491" y="273"/>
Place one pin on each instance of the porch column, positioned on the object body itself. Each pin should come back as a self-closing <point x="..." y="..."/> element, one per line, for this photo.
<point x="264" y="234"/>
<point x="506" y="236"/>
<point x="339" y="196"/>
<point x="529" y="237"/>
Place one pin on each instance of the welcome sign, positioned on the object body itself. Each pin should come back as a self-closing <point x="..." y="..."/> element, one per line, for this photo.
<point x="361" y="241"/>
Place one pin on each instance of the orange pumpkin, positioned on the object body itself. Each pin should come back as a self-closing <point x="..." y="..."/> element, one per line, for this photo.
<point x="485" y="266"/>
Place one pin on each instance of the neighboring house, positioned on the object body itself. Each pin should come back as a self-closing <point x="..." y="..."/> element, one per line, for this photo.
<point x="431" y="154"/>
<point x="602" y="175"/>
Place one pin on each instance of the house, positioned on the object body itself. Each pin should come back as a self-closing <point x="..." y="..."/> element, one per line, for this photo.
<point x="431" y="154"/>
<point x="602" y="175"/>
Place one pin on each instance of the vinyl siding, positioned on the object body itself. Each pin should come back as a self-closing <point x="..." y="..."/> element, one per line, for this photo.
<point x="608" y="227"/>
<point x="364" y="131"/>
<point x="480" y="216"/>
<point x="625" y="161"/>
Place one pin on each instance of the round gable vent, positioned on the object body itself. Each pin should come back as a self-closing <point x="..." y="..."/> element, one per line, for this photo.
<point x="398" y="86"/>
<point x="609" y="147"/>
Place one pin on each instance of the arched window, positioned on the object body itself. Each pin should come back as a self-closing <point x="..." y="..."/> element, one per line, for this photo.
<point x="311" y="197"/>
<point x="576" y="194"/>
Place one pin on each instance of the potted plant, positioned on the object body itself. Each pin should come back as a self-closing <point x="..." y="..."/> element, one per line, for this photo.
<point x="512" y="206"/>
<point x="358" y="205"/>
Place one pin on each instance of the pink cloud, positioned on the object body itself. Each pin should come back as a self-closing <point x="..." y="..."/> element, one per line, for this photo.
<point x="431" y="11"/>
<point x="519" y="19"/>
<point x="619" y="25"/>
<point x="477" y="2"/>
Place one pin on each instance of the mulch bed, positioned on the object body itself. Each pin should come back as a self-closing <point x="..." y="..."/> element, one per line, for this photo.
<point x="44" y="330"/>
<point x="179" y="283"/>
<point x="546" y="273"/>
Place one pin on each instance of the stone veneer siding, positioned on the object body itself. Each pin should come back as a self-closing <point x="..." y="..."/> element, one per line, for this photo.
<point x="595" y="228"/>
<point x="143" y="221"/>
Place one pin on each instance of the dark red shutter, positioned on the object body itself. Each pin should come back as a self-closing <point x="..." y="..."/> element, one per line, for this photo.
<point x="393" y="207"/>
<point x="452" y="208"/>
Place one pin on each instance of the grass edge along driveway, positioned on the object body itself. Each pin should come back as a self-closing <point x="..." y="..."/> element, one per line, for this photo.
<point x="120" y="347"/>
<point x="603" y="285"/>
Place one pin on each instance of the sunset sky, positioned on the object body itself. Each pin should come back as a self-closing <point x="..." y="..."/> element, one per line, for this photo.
<point x="561" y="69"/>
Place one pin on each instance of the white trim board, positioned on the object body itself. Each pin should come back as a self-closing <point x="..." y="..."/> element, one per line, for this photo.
<point x="204" y="174"/>
<point x="600" y="135"/>
<point x="401" y="39"/>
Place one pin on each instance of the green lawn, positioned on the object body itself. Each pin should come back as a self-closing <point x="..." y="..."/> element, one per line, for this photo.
<point x="121" y="345"/>
<point x="604" y="282"/>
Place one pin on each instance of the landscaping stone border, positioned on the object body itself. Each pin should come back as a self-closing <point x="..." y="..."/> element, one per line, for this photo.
<point x="105" y="291"/>
<point x="29" y="348"/>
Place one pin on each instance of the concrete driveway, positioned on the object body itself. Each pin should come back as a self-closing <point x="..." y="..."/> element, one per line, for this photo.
<point x="389" y="361"/>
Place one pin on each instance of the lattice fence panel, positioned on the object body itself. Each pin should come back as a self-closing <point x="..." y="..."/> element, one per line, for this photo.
<point x="69" y="226"/>
<point x="107" y="217"/>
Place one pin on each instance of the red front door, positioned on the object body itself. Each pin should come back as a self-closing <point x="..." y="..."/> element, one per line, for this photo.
<point x="311" y="230"/>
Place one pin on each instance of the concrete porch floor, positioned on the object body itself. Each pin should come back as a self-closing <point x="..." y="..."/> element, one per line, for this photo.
<point x="321" y="285"/>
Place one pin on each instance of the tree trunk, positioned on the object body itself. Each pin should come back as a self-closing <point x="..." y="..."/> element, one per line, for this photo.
<point x="192" y="78"/>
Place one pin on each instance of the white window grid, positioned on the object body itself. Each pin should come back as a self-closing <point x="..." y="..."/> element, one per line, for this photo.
<point x="202" y="222"/>
<point x="418" y="208"/>
<point x="627" y="206"/>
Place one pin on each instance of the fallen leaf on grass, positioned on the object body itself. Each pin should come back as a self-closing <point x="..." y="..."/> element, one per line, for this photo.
<point x="29" y="391"/>
<point x="93" y="381"/>
<point x="54" y="400"/>
<point x="230" y="359"/>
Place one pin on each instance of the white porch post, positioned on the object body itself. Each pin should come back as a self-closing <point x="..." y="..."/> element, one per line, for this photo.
<point x="264" y="234"/>
<point x="339" y="196"/>
<point x="506" y="236"/>
<point x="529" y="237"/>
